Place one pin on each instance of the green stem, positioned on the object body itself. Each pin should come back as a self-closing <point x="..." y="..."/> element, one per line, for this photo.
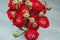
<point x="22" y="33"/>
<point x="22" y="29"/>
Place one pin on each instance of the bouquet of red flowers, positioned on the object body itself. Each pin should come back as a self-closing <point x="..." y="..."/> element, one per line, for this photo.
<point x="29" y="14"/>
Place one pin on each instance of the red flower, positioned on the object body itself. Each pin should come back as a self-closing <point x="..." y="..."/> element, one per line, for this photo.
<point x="44" y="10"/>
<point x="19" y="21"/>
<point x="24" y="7"/>
<point x="33" y="26"/>
<point x="34" y="14"/>
<point x="23" y="1"/>
<point x="24" y="10"/>
<point x="33" y="0"/>
<point x="10" y="0"/>
<point x="31" y="35"/>
<point x="37" y="6"/>
<point x="34" y="4"/>
<point x="16" y="14"/>
<point x="14" y="5"/>
<point x="43" y="22"/>
<point x="11" y="14"/>
<point x="11" y="6"/>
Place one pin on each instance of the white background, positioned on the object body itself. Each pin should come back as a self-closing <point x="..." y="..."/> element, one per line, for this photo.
<point x="51" y="33"/>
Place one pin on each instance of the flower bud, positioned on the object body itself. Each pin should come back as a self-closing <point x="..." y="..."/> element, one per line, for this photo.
<point x="16" y="34"/>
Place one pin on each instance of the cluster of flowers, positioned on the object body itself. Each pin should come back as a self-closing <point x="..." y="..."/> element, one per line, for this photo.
<point x="29" y="14"/>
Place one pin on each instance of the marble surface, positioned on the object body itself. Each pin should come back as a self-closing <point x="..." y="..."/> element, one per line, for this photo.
<point x="51" y="33"/>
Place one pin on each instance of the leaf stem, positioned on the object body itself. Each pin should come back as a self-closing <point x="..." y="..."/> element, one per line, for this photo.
<point x="22" y="33"/>
<point x="22" y="29"/>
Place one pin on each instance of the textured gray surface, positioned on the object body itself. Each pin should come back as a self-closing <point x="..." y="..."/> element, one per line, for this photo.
<point x="51" y="33"/>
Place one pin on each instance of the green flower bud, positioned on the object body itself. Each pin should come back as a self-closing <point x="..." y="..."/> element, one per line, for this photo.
<point x="16" y="34"/>
<point x="48" y="7"/>
<point x="15" y="1"/>
<point x="41" y="14"/>
<point x="32" y="20"/>
<point x="20" y="1"/>
<point x="13" y="12"/>
<point x="28" y="3"/>
<point x="26" y="15"/>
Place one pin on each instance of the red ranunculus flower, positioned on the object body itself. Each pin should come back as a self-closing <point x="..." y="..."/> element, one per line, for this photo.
<point x="34" y="25"/>
<point x="44" y="10"/>
<point x="34" y="0"/>
<point x="37" y="6"/>
<point x="11" y="14"/>
<point x="31" y="35"/>
<point x="43" y="22"/>
<point x="19" y="21"/>
<point x="34" y="14"/>
<point x="24" y="7"/>
<point x="14" y="5"/>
